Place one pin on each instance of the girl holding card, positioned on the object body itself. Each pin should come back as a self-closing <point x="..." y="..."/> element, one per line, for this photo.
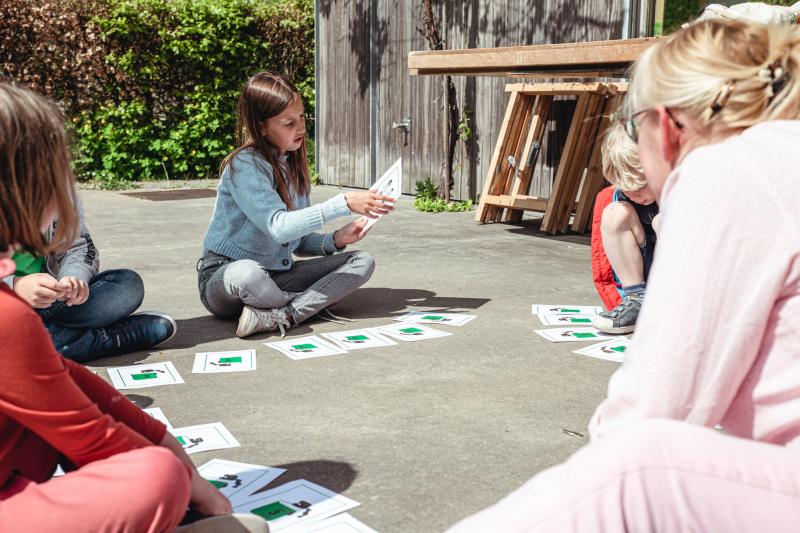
<point x="715" y="109"/>
<point x="125" y="472"/>
<point x="263" y="217"/>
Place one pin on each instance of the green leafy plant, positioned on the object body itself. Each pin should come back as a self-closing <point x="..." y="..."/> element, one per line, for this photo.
<point x="428" y="201"/>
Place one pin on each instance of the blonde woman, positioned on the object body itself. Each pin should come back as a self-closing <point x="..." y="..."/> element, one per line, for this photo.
<point x="714" y="109"/>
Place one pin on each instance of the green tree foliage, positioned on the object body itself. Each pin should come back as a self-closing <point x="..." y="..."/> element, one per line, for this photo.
<point x="150" y="86"/>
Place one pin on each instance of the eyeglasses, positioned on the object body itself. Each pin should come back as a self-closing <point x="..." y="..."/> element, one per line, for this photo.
<point x="631" y="126"/>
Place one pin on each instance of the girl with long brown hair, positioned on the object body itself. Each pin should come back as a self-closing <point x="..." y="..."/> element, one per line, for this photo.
<point x="263" y="216"/>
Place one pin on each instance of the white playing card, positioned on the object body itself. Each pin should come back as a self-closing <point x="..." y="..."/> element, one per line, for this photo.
<point x="358" y="339"/>
<point x="573" y="334"/>
<point x="295" y="504"/>
<point x="566" y="309"/>
<point x="214" y="362"/>
<point x="411" y="332"/>
<point x="341" y="523"/>
<point x="556" y="319"/>
<point x="431" y="317"/>
<point x="390" y="184"/>
<point x="159" y="415"/>
<point x="305" y="347"/>
<point x="144" y="375"/>
<point x="205" y="437"/>
<point x="611" y="350"/>
<point x="232" y="478"/>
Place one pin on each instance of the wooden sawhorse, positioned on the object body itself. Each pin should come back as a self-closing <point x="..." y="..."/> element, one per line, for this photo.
<point x="511" y="169"/>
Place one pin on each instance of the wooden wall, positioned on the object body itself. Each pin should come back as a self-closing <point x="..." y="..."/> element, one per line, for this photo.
<point x="363" y="85"/>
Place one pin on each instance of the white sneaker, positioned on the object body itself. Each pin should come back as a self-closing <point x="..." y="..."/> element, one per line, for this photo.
<point x="228" y="523"/>
<point x="255" y="320"/>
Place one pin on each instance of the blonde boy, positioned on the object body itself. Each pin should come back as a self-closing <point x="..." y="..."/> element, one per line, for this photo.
<point x="628" y="227"/>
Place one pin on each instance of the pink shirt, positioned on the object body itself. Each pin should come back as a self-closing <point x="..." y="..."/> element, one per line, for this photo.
<point x="718" y="338"/>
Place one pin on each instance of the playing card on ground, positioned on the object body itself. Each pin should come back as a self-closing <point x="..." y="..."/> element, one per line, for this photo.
<point x="444" y="319"/>
<point x="232" y="478"/>
<point x="566" y="309"/>
<point x="205" y="437"/>
<point x="555" y="319"/>
<point x="611" y="350"/>
<point x="341" y="523"/>
<point x="294" y="504"/>
<point x="213" y="362"/>
<point x="305" y="347"/>
<point x="144" y="375"/>
<point x="573" y="334"/>
<point x="358" y="339"/>
<point x="411" y="332"/>
<point x="159" y="415"/>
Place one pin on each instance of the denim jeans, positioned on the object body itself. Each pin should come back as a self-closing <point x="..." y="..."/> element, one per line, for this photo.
<point x="77" y="331"/>
<point x="307" y="288"/>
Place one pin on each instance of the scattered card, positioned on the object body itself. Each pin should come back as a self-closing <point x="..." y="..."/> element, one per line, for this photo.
<point x="613" y="350"/>
<point x="573" y="334"/>
<point x="295" y="503"/>
<point x="232" y="478"/>
<point x="214" y="362"/>
<point x="205" y="437"/>
<point x="359" y="339"/>
<point x="390" y="184"/>
<point x="305" y="348"/>
<point x="341" y="523"/>
<point x="411" y="332"/>
<point x="430" y="317"/>
<point x="555" y="319"/>
<point x="566" y="309"/>
<point x="159" y="415"/>
<point x="144" y="375"/>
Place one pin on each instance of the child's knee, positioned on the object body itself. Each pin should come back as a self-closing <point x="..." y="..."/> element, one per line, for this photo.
<point x="163" y="487"/>
<point x="128" y="291"/>
<point x="364" y="264"/>
<point x="618" y="216"/>
<point x="244" y="273"/>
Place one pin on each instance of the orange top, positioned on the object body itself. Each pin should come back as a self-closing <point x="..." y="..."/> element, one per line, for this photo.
<point x="52" y="400"/>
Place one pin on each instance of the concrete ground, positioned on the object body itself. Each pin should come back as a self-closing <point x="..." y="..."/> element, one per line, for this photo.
<point x="422" y="434"/>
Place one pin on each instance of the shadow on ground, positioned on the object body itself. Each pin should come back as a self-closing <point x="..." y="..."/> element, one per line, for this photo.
<point x="335" y="475"/>
<point x="531" y="228"/>
<point x="383" y="302"/>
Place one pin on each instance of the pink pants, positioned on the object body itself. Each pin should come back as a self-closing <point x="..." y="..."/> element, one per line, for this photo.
<point x="141" y="490"/>
<point x="657" y="475"/>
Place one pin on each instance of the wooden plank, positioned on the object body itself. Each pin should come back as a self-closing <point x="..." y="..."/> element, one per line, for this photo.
<point x="519" y="203"/>
<point x="594" y="55"/>
<point x="535" y="134"/>
<point x="483" y="208"/>
<point x="585" y="143"/>
<point x="562" y="176"/>
<point x="516" y="145"/>
<point x="594" y="180"/>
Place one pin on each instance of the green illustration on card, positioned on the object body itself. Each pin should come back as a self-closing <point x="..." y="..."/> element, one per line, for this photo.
<point x="237" y="359"/>
<point x="432" y="317"/>
<point x="618" y="348"/>
<point x="218" y="484"/>
<point x="147" y="375"/>
<point x="410" y="330"/>
<point x="357" y="338"/>
<point x="273" y="511"/>
<point x="569" y="310"/>
<point x="584" y="335"/>
<point x="304" y="347"/>
<point x="181" y="440"/>
<point x="580" y="320"/>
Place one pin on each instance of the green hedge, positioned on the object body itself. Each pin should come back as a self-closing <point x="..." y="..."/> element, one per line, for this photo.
<point x="158" y="97"/>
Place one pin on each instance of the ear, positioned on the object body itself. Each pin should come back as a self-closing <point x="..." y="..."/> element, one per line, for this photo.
<point x="671" y="138"/>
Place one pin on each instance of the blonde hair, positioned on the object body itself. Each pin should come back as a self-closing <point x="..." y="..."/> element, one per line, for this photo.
<point x="621" y="165"/>
<point x="35" y="173"/>
<point x="726" y="75"/>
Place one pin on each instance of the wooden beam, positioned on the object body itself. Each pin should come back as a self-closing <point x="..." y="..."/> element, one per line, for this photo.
<point x="595" y="55"/>
<point x="527" y="203"/>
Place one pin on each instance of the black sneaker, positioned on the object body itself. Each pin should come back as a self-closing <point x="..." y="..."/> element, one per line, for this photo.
<point x="138" y="332"/>
<point x="621" y="319"/>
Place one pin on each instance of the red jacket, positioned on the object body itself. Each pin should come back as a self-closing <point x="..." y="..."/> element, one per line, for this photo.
<point x="601" y="267"/>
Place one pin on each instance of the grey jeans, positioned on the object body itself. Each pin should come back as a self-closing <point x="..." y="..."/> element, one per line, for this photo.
<point x="307" y="288"/>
